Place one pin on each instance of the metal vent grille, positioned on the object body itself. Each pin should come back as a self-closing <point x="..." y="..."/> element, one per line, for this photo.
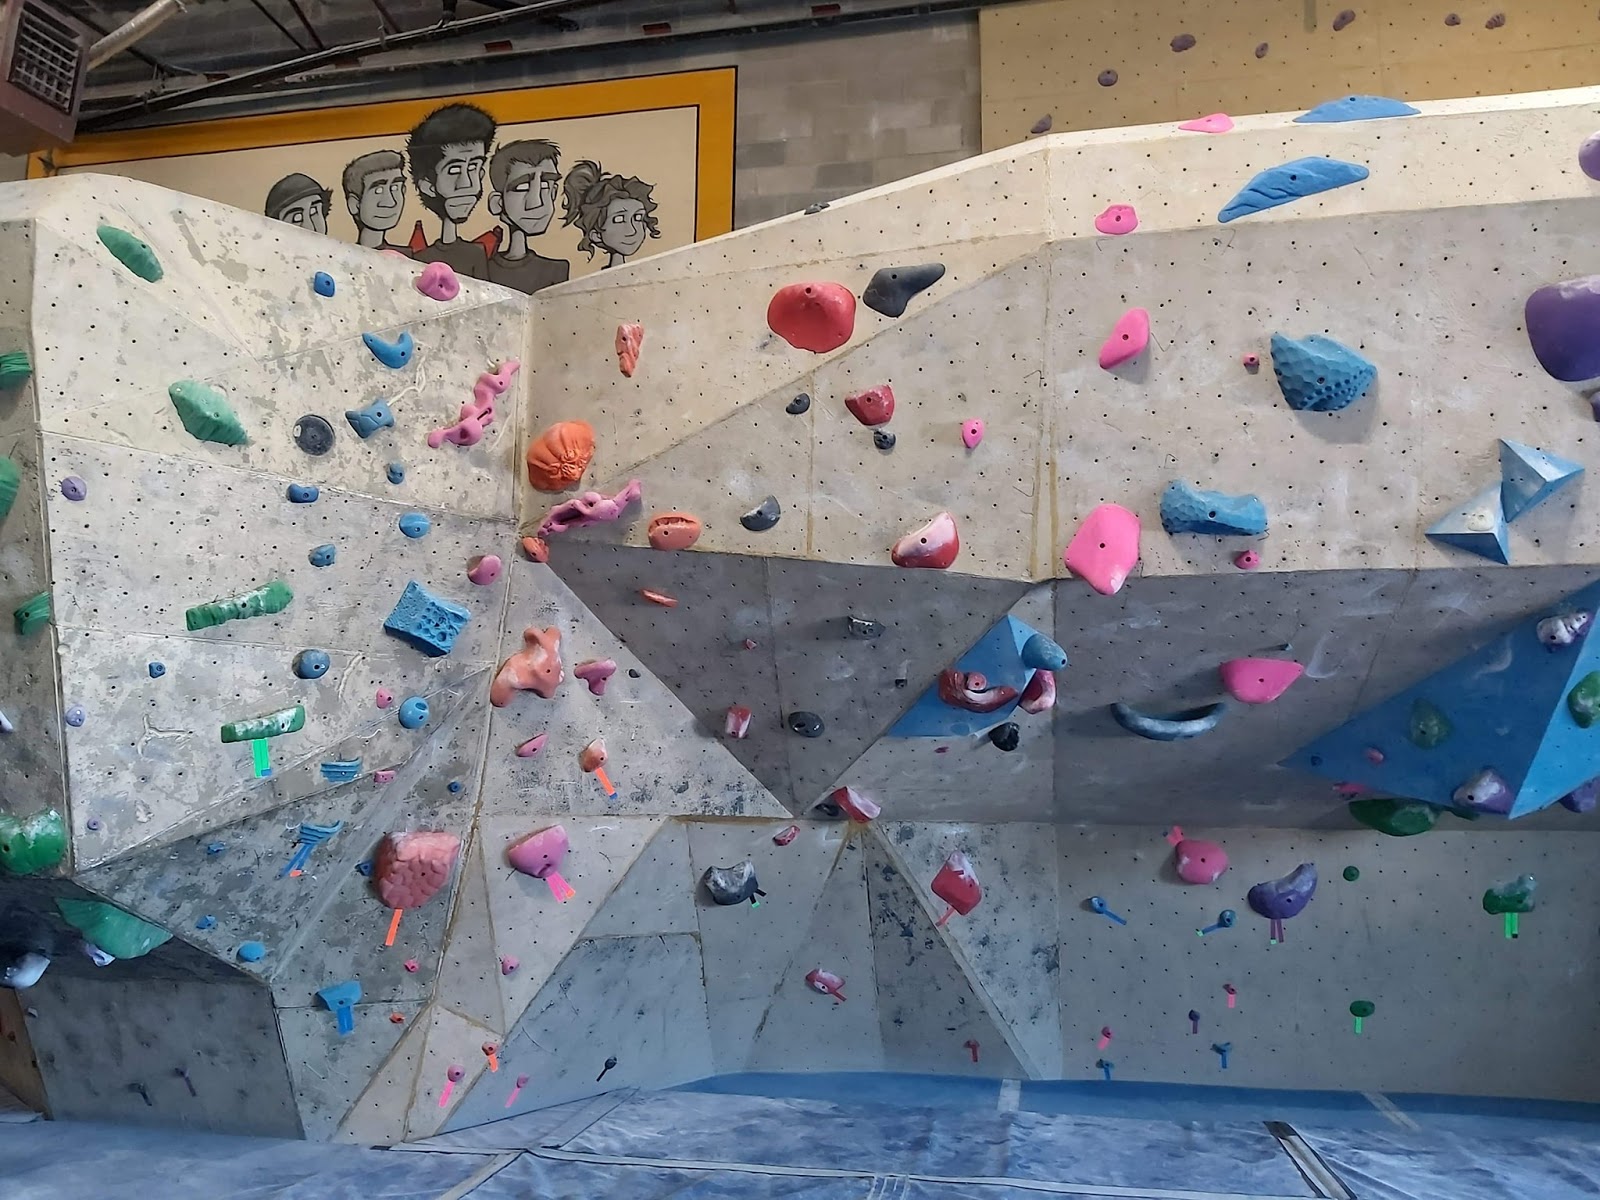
<point x="45" y="58"/>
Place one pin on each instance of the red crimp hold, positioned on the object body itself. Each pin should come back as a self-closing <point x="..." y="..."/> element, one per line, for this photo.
<point x="1040" y="694"/>
<point x="957" y="885"/>
<point x="813" y="316"/>
<point x="970" y="690"/>
<point x="786" y="835"/>
<point x="935" y="545"/>
<point x="872" y="407"/>
<point x="737" y="723"/>
<point x="854" y="805"/>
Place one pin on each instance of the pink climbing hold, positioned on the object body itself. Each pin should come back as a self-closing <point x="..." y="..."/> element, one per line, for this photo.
<point x="1215" y="123"/>
<point x="827" y="983"/>
<point x="540" y="854"/>
<point x="1105" y="549"/>
<point x="1252" y="362"/>
<point x="935" y="545"/>
<point x="972" y="433"/>
<point x="532" y="746"/>
<point x="1129" y="336"/>
<point x="590" y="508"/>
<point x="1197" y="861"/>
<point x="786" y="835"/>
<point x="478" y="413"/>
<point x="384" y="698"/>
<point x="509" y="963"/>
<point x="383" y="777"/>
<point x="595" y="672"/>
<point x="818" y="317"/>
<point x="1259" y="680"/>
<point x="1119" y="218"/>
<point x="1247" y="560"/>
<point x="484" y="569"/>
<point x="1040" y="694"/>
<point x="438" y="282"/>
<point x="412" y="965"/>
<point x="630" y="340"/>
<point x="410" y="867"/>
<point x="737" y="722"/>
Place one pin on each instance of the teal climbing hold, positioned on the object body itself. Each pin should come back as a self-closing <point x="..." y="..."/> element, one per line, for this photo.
<point x="270" y="598"/>
<point x="1355" y="108"/>
<point x="1479" y="525"/>
<point x="1292" y="181"/>
<point x="1318" y="374"/>
<point x="206" y="414"/>
<point x="1188" y="509"/>
<point x="15" y="367"/>
<point x="10" y="481"/>
<point x="120" y="934"/>
<point x="1529" y="476"/>
<point x="131" y="252"/>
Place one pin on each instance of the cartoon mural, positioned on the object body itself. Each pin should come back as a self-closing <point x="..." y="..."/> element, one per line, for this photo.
<point x="615" y="214"/>
<point x="525" y="177"/>
<point x="299" y="200"/>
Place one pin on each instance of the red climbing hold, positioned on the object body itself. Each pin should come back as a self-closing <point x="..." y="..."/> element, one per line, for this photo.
<point x="1040" y="694"/>
<point x="1119" y="218"/>
<point x="1129" y="336"/>
<point x="1105" y="549"/>
<point x="957" y="885"/>
<point x="970" y="690"/>
<point x="786" y="835"/>
<point x="593" y="756"/>
<point x="1215" y="123"/>
<point x="854" y="805"/>
<point x="410" y="867"/>
<point x="737" y="724"/>
<point x="827" y="983"/>
<point x="630" y="339"/>
<point x="1259" y="680"/>
<point x="935" y="545"/>
<point x="873" y="406"/>
<point x="813" y="316"/>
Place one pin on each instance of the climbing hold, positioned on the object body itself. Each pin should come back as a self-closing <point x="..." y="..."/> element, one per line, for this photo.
<point x="156" y="669"/>
<point x="1529" y="476"/>
<point x="415" y="525"/>
<point x="32" y="614"/>
<point x="323" y="555"/>
<point x="860" y="627"/>
<point x="1343" y="19"/>
<point x="1563" y="323"/>
<point x="322" y="283"/>
<point x="1042" y="125"/>
<point x="1397" y="818"/>
<point x="15" y="367"/>
<point x="205" y="413"/>
<point x="273" y="597"/>
<point x="536" y="548"/>
<point x="970" y="690"/>
<point x="426" y="622"/>
<point x="1261" y="50"/>
<point x="342" y="770"/>
<point x="806" y="724"/>
<point x="1251" y="362"/>
<point x="311" y="664"/>
<point x="1247" y="560"/>
<point x="813" y="209"/>
<point x="1040" y="694"/>
<point x="109" y="933"/>
<point x="397" y="472"/>
<point x="1214" y="123"/>
<point x="367" y="421"/>
<point x="589" y="508"/>
<point x="736" y="722"/>
<point x="383" y="698"/>
<point x="1006" y="737"/>
<point x="798" y="405"/>
<point x="484" y="569"/>
<point x="661" y="598"/>
<point x="1196" y="860"/>
<point x="956" y="883"/>
<point x="536" y="668"/>
<point x="1589" y="156"/>
<point x="1258" y="680"/>
<point x="1497" y="21"/>
<point x="1171" y="727"/>
<point x="131" y="252"/>
<point x="1107" y="78"/>
<point x="891" y="288"/>
<point x="1187" y="509"/>
<point x="629" y="341"/>
<point x="1129" y="336"/>
<point x="1184" y="41"/>
<point x="763" y="516"/>
<point x="558" y="457"/>
<point x="1105" y="549"/>
<point x="813" y="316"/>
<point x="1479" y="525"/>
<point x="1427" y="727"/>
<point x="883" y="440"/>
<point x="1513" y="897"/>
<point x="1117" y="219"/>
<point x="10" y="481"/>
<point x="1279" y="899"/>
<point x="872" y="407"/>
<point x="285" y="720"/>
<point x="786" y="835"/>
<point x="593" y="756"/>
<point x="303" y="493"/>
<point x="1355" y="108"/>
<point x="410" y="868"/>
<point x="972" y="432"/>
<point x="313" y="435"/>
<point x="1582" y="798"/>
<point x="1583" y="701"/>
<point x="5" y="724"/>
<point x="32" y="844"/>
<point x="1564" y="629"/>
<point x="1351" y="874"/>
<point x="73" y="488"/>
<point x="386" y="776"/>
<point x="532" y="746"/>
<point x="1043" y="654"/>
<point x="76" y="716"/>
<point x="394" y="354"/>
<point x="851" y="803"/>
<point x="1487" y="791"/>
<point x="935" y="545"/>
<point x="732" y="885"/>
<point x="475" y="416"/>
<point x="251" y="952"/>
<point x="827" y="983"/>
<point x="413" y="712"/>
<point x="1317" y="374"/>
<point x="540" y="855"/>
<point x="673" y="531"/>
<point x="1292" y="181"/>
<point x="595" y="672"/>
<point x="438" y="282"/>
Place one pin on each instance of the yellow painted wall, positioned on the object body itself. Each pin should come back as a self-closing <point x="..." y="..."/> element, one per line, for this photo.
<point x="1045" y="57"/>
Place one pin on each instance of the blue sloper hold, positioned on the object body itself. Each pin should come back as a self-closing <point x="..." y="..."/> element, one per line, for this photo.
<point x="1479" y="525"/>
<point x="341" y="770"/>
<point x="1188" y="509"/>
<point x="394" y="354"/>
<point x="1292" y="181"/>
<point x="425" y="621"/>
<point x="998" y="657"/>
<point x="1506" y="708"/>
<point x="1529" y="476"/>
<point x="1355" y="108"/>
<point x="367" y="421"/>
<point x="1318" y="374"/>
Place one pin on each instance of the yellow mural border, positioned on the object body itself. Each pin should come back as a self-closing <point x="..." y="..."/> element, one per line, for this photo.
<point x="710" y="92"/>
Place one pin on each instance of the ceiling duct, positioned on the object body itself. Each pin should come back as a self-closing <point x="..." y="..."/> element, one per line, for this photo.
<point x="43" y="57"/>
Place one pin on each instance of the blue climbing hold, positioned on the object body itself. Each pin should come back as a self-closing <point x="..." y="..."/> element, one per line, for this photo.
<point x="323" y="555"/>
<point x="1479" y="525"/>
<point x="322" y="283"/>
<point x="1529" y="476"/>
<point x="1318" y="374"/>
<point x="1292" y="181"/>
<point x="303" y="493"/>
<point x="1355" y="108"/>
<point x="251" y="952"/>
<point x="216" y="847"/>
<point x="341" y="770"/>
<point x="206" y="923"/>
<point x="311" y="664"/>
<point x="425" y="621"/>
<point x="364" y="867"/>
<point x="1187" y="509"/>
<point x="413" y="712"/>
<point x="397" y="472"/>
<point x="157" y="670"/>
<point x="391" y="354"/>
<point x="1170" y="727"/>
<point x="415" y="525"/>
<point x="367" y="421"/>
<point x="455" y="787"/>
<point x="1043" y="654"/>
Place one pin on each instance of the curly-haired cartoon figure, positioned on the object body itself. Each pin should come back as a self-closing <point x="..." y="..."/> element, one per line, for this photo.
<point x="447" y="152"/>
<point x="524" y="178"/>
<point x="375" y="192"/>
<point x="614" y="213"/>
<point x="299" y="200"/>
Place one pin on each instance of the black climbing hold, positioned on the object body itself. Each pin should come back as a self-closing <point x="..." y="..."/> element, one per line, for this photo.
<point x="798" y="405"/>
<point x="633" y="673"/>
<point x="732" y="885"/>
<point x="610" y="1063"/>
<point x="816" y="208"/>
<point x="1261" y="50"/>
<point x="1006" y="737"/>
<point x="763" y="516"/>
<point x="860" y="627"/>
<point x="891" y="288"/>
<point x="313" y="435"/>
<point x="806" y="724"/>
<point x="883" y="440"/>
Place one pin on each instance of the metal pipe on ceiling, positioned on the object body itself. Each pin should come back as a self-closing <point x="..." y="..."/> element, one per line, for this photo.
<point x="139" y="25"/>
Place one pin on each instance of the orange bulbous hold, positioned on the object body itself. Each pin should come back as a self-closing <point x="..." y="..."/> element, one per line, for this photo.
<point x="536" y="667"/>
<point x="558" y="457"/>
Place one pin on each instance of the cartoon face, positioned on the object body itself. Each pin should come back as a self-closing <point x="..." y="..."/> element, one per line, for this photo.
<point x="310" y="213"/>
<point x="458" y="179"/>
<point x="529" y="201"/>
<point x="383" y="195"/>
<point x="624" y="229"/>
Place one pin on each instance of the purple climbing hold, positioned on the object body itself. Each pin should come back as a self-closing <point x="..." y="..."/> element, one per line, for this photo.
<point x="1261" y="50"/>
<point x="1280" y="899"/>
<point x="1495" y="22"/>
<point x="1589" y="156"/>
<point x="1184" y="41"/>
<point x="1452" y="19"/>
<point x="1485" y="792"/>
<point x="1042" y="125"/>
<point x="1344" y="19"/>
<point x="1563" y="323"/>
<point x="1108" y="78"/>
<point x="1582" y="798"/>
<point x="73" y="488"/>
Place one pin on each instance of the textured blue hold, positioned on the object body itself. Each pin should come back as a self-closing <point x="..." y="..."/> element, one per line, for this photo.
<point x="397" y="472"/>
<point x="206" y="923"/>
<point x="1479" y="525"/>
<point x="1188" y="509"/>
<point x="367" y="421"/>
<point x="413" y="713"/>
<point x="391" y="354"/>
<point x="311" y="664"/>
<point x="1318" y="374"/>
<point x="1043" y="654"/>
<point x="1355" y="108"/>
<point x="322" y="283"/>
<point x="303" y="493"/>
<point x="251" y="952"/>
<point x="323" y="555"/>
<point x="216" y="847"/>
<point x="341" y="770"/>
<point x="1529" y="476"/>
<point x="157" y="670"/>
<point x="1292" y="181"/>
<point x="425" y="621"/>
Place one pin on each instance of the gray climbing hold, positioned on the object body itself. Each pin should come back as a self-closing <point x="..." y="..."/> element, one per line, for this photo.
<point x="732" y="885"/>
<point x="313" y="435"/>
<point x="883" y="440"/>
<point x="1184" y="41"/>
<point x="1355" y="108"/>
<point x="1563" y="323"/>
<point x="813" y="209"/>
<point x="1529" y="476"/>
<point x="763" y="516"/>
<point x="798" y="405"/>
<point x="367" y="421"/>
<point x="1108" y="78"/>
<point x="1188" y="509"/>
<point x="860" y="627"/>
<point x="1006" y="737"/>
<point x="1345" y="18"/>
<point x="1479" y="525"/>
<point x="1318" y="374"/>
<point x="891" y="288"/>
<point x="1292" y="181"/>
<point x="1170" y="727"/>
<point x="806" y="724"/>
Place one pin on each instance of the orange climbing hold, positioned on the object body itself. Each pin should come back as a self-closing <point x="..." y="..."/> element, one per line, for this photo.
<point x="558" y="457"/>
<point x="630" y="339"/>
<point x="536" y="548"/>
<point x="535" y="668"/>
<point x="813" y="316"/>
<point x="673" y="531"/>
<point x="409" y="868"/>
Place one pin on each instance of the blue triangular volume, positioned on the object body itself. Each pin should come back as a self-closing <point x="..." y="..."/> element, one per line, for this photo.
<point x="1479" y="525"/>
<point x="998" y="656"/>
<point x="1502" y="708"/>
<point x="1529" y="476"/>
<point x="1355" y="108"/>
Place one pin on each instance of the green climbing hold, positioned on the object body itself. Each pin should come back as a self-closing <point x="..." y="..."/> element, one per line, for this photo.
<point x="273" y="598"/>
<point x="206" y="414"/>
<point x="120" y="934"/>
<point x="1397" y="818"/>
<point x="1429" y="725"/>
<point x="15" y="368"/>
<point x="1513" y="897"/>
<point x="1351" y="874"/>
<point x="10" y="481"/>
<point x="131" y="252"/>
<point x="1583" y="701"/>
<point x="29" y="845"/>
<point x="285" y="720"/>
<point x="1362" y="1008"/>
<point x="33" y="615"/>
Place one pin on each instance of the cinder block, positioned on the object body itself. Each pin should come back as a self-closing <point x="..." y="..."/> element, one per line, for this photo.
<point x="845" y="175"/>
